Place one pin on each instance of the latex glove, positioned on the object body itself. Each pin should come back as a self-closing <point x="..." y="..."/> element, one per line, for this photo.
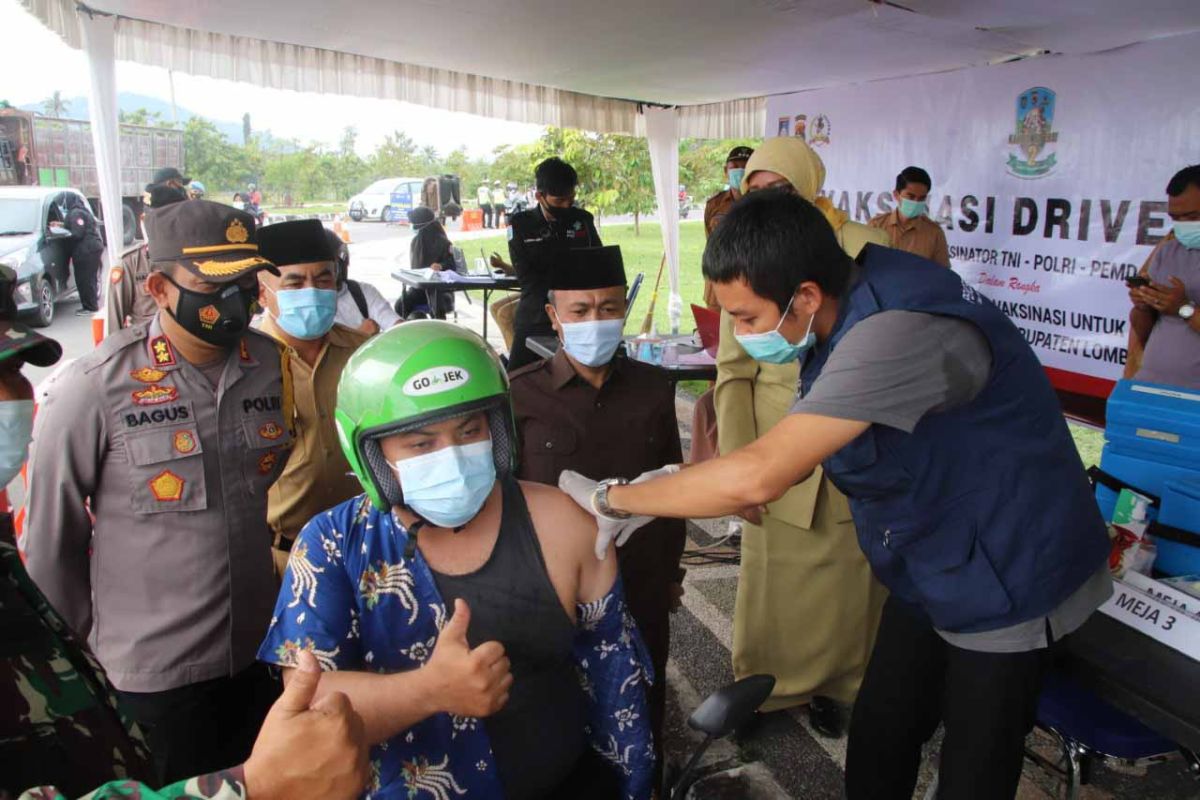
<point x="581" y="489"/>
<point x="669" y="469"/>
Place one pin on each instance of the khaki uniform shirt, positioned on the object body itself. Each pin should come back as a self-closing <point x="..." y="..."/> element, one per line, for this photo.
<point x="171" y="582"/>
<point x="717" y="206"/>
<point x="126" y="301"/>
<point x="920" y="236"/>
<point x="317" y="475"/>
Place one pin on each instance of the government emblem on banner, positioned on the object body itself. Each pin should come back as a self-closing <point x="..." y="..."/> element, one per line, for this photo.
<point x="1034" y="131"/>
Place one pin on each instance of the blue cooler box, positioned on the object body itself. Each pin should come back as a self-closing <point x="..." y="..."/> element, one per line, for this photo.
<point x="1180" y="510"/>
<point x="1153" y="439"/>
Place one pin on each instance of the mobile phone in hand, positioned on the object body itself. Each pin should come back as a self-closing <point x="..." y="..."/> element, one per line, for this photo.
<point x="1137" y="281"/>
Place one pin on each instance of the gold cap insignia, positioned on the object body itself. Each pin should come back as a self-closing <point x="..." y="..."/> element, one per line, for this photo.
<point x="236" y="232"/>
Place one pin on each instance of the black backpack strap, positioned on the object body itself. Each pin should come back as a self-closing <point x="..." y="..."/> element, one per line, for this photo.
<point x="1173" y="534"/>
<point x="360" y="299"/>
<point x="1109" y="481"/>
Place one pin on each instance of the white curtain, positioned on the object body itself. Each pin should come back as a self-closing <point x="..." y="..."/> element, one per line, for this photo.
<point x="662" y="133"/>
<point x="98" y="39"/>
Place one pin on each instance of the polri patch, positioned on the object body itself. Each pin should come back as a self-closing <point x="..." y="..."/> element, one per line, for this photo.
<point x="115" y="275"/>
<point x="184" y="442"/>
<point x="270" y="431"/>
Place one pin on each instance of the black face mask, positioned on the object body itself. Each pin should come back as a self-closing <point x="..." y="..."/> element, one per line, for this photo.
<point x="556" y="213"/>
<point x="219" y="318"/>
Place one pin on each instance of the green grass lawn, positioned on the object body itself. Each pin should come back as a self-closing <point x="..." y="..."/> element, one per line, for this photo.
<point x="642" y="254"/>
<point x="307" y="208"/>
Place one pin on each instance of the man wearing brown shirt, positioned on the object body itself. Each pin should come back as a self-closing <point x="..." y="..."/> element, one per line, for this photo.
<point x="300" y="305"/>
<point x="719" y="204"/>
<point x="907" y="226"/>
<point x="591" y="410"/>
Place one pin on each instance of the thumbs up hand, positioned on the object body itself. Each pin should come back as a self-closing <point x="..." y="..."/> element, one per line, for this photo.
<point x="468" y="683"/>
<point x="328" y="732"/>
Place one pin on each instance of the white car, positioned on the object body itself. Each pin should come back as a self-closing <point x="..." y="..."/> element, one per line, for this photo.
<point x="389" y="196"/>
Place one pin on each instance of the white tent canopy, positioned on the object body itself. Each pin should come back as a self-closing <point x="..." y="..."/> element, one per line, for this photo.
<point x="587" y="64"/>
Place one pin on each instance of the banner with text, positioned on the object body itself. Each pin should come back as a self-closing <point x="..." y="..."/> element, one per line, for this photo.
<point x="1049" y="179"/>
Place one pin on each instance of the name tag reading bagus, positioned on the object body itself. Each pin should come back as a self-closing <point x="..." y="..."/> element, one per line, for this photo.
<point x="170" y="414"/>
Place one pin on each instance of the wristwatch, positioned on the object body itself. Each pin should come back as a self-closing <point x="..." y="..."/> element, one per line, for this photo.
<point x="600" y="499"/>
<point x="1187" y="311"/>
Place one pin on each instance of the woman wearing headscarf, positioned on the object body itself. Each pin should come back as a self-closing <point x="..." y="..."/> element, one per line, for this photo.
<point x="430" y="249"/>
<point x="807" y="604"/>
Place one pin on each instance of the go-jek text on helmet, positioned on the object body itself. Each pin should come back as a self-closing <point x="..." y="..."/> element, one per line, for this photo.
<point x="412" y="375"/>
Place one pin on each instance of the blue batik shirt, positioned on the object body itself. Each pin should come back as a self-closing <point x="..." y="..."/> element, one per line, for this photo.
<point x="353" y="600"/>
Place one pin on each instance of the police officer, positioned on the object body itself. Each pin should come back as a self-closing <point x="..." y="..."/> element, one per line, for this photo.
<point x="86" y="249"/>
<point x="536" y="239"/>
<point x="147" y="506"/>
<point x="929" y="411"/>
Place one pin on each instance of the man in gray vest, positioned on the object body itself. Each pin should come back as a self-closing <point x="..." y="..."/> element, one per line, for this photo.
<point x="148" y="494"/>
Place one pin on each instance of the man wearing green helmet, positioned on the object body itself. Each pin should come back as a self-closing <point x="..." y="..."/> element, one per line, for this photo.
<point x="538" y="660"/>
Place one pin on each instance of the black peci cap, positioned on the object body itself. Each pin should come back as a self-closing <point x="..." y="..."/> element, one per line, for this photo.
<point x="589" y="268"/>
<point x="740" y="153"/>
<point x="300" y="241"/>
<point x="169" y="174"/>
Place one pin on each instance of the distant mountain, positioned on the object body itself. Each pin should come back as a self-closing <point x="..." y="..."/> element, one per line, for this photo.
<point x="77" y="108"/>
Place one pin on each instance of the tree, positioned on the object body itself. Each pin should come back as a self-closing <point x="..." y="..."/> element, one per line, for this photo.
<point x="55" y="105"/>
<point x="246" y="132"/>
<point x="143" y="117"/>
<point x="349" y="140"/>
<point x="395" y="157"/>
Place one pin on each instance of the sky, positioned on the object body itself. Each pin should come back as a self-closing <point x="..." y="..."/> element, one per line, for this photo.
<point x="34" y="62"/>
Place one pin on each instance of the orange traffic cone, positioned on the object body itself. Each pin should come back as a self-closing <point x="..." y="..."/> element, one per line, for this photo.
<point x="341" y="230"/>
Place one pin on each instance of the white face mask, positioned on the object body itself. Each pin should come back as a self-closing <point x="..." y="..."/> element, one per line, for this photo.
<point x="16" y="431"/>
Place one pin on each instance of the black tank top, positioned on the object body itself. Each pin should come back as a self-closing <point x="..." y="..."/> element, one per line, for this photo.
<point x="538" y="736"/>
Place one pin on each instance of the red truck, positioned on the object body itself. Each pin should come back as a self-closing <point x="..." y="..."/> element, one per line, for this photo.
<point x="49" y="151"/>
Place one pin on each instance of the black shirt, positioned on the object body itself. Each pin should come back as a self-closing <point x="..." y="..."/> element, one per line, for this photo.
<point x="535" y="244"/>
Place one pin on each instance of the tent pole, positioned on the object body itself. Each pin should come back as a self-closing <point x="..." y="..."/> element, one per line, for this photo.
<point x="99" y="36"/>
<point x="662" y="136"/>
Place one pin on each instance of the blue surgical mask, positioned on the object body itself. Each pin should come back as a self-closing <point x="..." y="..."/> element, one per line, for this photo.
<point x="593" y="343"/>
<point x="1188" y="234"/>
<point x="735" y="178"/>
<point x="448" y="486"/>
<point x="306" y="313"/>
<point x="772" y="346"/>
<point x="16" y="431"/>
<point x="911" y="209"/>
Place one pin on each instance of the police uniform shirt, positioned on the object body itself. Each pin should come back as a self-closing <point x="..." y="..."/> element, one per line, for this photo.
<point x="126" y="301"/>
<point x="533" y="244"/>
<point x="172" y="582"/>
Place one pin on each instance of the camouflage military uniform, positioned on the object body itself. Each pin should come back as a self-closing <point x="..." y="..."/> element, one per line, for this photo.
<point x="224" y="785"/>
<point x="59" y="721"/>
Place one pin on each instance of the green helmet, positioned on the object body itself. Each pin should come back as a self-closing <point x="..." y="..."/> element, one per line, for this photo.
<point x="416" y="373"/>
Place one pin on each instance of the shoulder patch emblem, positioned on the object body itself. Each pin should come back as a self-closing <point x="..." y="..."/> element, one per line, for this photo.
<point x="167" y="487"/>
<point x="115" y="275"/>
<point x="184" y="442"/>
<point x="270" y="431"/>
<point x="155" y="395"/>
<point x="164" y="356"/>
<point x="147" y="375"/>
<point x="243" y="350"/>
